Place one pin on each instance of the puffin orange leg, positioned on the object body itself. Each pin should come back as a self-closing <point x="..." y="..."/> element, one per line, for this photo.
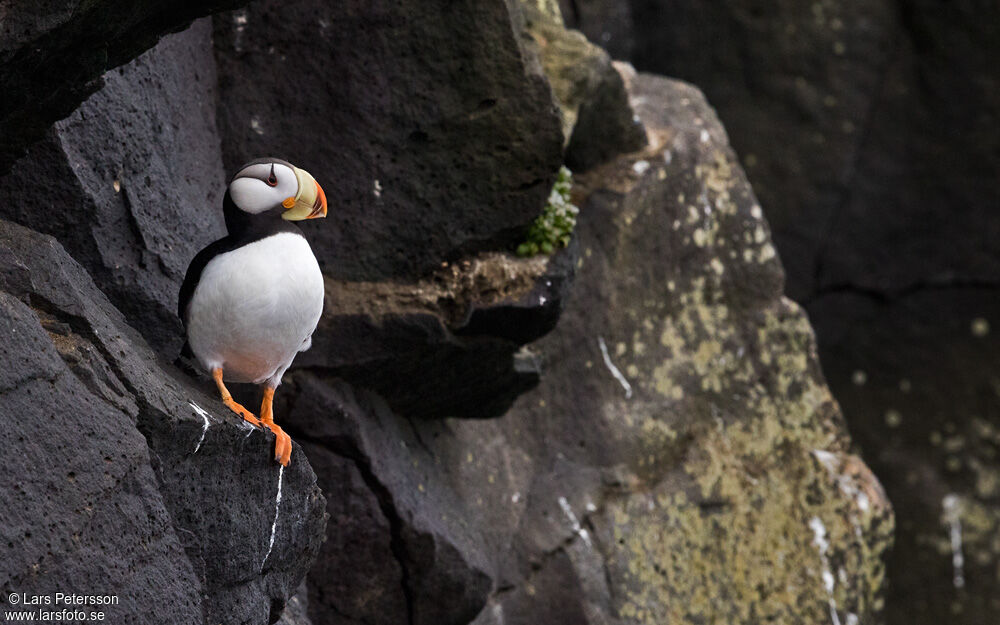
<point x="228" y="400"/>
<point x="282" y="442"/>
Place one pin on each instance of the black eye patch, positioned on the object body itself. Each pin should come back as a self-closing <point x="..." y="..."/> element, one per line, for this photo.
<point x="272" y="180"/>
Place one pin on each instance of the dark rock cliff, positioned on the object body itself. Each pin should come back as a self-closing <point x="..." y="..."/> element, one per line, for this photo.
<point x="634" y="429"/>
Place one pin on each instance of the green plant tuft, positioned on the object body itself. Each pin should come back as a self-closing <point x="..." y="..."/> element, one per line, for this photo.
<point x="554" y="227"/>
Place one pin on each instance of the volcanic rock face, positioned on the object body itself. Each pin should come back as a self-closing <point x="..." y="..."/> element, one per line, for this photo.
<point x="869" y="132"/>
<point x="668" y="452"/>
<point x="597" y="122"/>
<point x="131" y="182"/>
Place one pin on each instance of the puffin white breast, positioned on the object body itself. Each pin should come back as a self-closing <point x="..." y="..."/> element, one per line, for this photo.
<point x="255" y="307"/>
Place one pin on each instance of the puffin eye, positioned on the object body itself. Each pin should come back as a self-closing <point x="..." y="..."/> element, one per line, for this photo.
<point x="272" y="180"/>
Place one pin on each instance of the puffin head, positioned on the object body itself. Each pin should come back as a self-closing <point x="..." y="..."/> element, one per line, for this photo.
<point x="270" y="183"/>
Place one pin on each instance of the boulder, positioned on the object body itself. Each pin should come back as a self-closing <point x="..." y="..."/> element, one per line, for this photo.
<point x="131" y="182"/>
<point x="130" y="480"/>
<point x="681" y="459"/>
<point x="866" y="130"/>
<point x="53" y="54"/>
<point x="598" y="122"/>
<point x="682" y="410"/>
<point x="433" y="133"/>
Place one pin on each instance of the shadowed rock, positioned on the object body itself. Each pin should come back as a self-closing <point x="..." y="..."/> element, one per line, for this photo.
<point x="54" y="52"/>
<point x="399" y="526"/>
<point x="445" y="346"/>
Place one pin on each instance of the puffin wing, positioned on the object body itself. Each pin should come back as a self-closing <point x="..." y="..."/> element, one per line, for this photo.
<point x="194" y="272"/>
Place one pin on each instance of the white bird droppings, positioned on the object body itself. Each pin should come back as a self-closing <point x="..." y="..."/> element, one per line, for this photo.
<point x="829" y="582"/>
<point x="640" y="167"/>
<point x="204" y="415"/>
<point x="274" y="525"/>
<point x="574" y="522"/>
<point x="377" y="189"/>
<point x="240" y="19"/>
<point x="613" y="369"/>
<point x="705" y="136"/>
<point x="846" y="484"/>
<point x="953" y="516"/>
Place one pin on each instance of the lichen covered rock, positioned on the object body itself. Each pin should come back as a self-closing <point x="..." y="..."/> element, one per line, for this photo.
<point x="867" y="130"/>
<point x="681" y="459"/>
<point x="597" y="121"/>
<point x="726" y="491"/>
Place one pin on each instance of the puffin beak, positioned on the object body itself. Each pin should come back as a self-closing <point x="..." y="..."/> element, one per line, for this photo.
<point x="309" y="202"/>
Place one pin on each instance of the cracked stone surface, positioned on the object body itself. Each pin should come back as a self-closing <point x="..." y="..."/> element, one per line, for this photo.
<point x="868" y="131"/>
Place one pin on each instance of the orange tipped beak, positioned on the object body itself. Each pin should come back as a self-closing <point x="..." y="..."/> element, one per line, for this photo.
<point x="319" y="207"/>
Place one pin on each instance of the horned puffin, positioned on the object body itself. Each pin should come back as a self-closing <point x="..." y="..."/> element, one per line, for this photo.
<point x="251" y="300"/>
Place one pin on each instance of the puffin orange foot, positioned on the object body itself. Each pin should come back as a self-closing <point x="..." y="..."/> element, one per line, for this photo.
<point x="282" y="444"/>
<point x="231" y="403"/>
<point x="240" y="410"/>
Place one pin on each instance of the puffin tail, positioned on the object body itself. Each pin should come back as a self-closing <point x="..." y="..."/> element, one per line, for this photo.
<point x="185" y="361"/>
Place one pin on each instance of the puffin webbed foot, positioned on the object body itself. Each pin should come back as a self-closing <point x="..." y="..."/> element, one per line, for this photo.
<point x="282" y="442"/>
<point x="243" y="412"/>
